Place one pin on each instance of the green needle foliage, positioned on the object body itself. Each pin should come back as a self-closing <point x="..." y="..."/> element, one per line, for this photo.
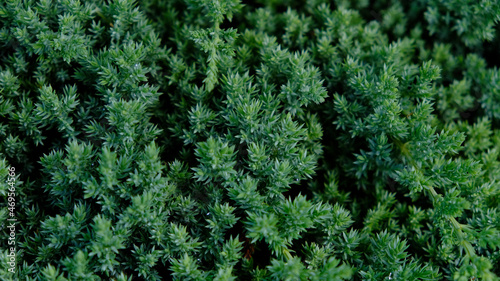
<point x="268" y="140"/>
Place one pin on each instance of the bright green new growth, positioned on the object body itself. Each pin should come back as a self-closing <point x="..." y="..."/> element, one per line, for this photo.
<point x="276" y="140"/>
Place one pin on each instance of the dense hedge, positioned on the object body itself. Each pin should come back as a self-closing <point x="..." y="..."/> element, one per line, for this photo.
<point x="267" y="140"/>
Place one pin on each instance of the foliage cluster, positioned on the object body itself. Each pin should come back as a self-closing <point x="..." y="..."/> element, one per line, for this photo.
<point x="272" y="140"/>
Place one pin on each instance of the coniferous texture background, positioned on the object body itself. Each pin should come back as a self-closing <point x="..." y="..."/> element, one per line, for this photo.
<point x="265" y="140"/>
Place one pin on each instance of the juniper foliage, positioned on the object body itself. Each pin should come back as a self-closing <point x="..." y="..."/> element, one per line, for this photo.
<point x="275" y="140"/>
